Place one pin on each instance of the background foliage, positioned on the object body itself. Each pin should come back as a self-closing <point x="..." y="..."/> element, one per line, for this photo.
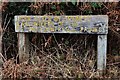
<point x="74" y="54"/>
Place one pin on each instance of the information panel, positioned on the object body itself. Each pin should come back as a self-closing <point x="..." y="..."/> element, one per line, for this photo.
<point x="91" y="24"/>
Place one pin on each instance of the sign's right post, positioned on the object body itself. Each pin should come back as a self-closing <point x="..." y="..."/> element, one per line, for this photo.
<point x="101" y="52"/>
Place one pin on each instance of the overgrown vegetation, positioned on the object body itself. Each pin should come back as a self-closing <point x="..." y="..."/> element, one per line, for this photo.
<point x="60" y="55"/>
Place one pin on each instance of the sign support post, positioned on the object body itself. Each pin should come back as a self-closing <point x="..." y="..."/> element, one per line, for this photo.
<point x="101" y="52"/>
<point x="23" y="47"/>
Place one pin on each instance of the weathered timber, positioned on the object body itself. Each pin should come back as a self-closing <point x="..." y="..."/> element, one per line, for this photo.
<point x="23" y="47"/>
<point x="96" y="24"/>
<point x="101" y="50"/>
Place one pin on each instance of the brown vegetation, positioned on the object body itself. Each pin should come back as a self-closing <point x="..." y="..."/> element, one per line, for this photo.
<point x="69" y="55"/>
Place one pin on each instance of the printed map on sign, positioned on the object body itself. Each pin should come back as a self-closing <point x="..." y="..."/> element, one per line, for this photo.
<point x="62" y="24"/>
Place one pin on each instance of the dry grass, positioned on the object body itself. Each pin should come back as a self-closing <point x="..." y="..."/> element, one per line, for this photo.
<point x="61" y="60"/>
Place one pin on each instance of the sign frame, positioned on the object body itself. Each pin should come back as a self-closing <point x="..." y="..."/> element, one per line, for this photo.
<point x="23" y="41"/>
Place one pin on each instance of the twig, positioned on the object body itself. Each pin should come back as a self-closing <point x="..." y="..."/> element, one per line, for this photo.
<point x="6" y="27"/>
<point x="114" y="63"/>
<point x="5" y="20"/>
<point x="3" y="57"/>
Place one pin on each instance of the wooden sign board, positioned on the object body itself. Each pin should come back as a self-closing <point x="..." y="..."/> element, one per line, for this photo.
<point x="91" y="24"/>
<point x="94" y="24"/>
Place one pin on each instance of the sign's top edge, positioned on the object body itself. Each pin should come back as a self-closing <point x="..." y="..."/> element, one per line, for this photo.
<point x="59" y="0"/>
<point x="61" y="15"/>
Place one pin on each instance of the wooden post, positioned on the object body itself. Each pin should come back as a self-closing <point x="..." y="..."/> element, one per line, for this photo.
<point x="23" y="47"/>
<point x="101" y="50"/>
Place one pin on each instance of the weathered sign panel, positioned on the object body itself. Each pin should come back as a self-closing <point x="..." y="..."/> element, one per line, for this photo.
<point x="95" y="24"/>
